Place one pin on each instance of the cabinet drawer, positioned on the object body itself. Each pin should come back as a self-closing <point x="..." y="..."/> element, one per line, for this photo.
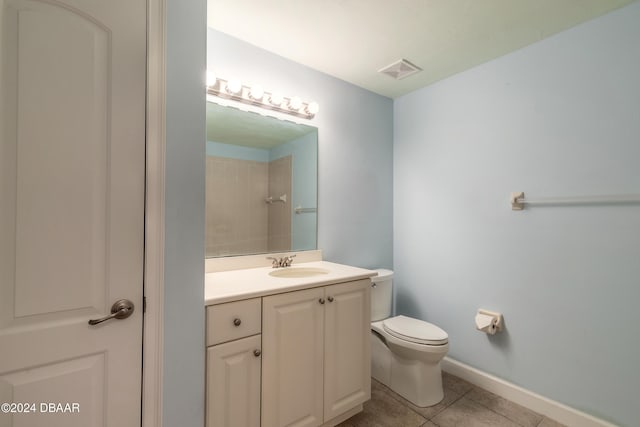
<point x="233" y="320"/>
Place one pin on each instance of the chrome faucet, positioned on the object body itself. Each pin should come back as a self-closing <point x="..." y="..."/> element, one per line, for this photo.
<point x="275" y="263"/>
<point x="281" y="262"/>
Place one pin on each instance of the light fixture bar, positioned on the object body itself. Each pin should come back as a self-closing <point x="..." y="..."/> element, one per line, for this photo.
<point x="255" y="95"/>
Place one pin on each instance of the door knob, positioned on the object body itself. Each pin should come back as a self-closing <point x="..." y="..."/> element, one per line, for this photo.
<point x="120" y="309"/>
<point x="321" y="300"/>
<point x="257" y="353"/>
<point x="330" y="299"/>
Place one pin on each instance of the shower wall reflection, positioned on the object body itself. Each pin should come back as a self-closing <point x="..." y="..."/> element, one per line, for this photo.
<point x="279" y="211"/>
<point x="240" y="219"/>
<point x="259" y="169"/>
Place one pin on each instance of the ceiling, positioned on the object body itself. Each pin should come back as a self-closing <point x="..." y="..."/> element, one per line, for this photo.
<point x="353" y="39"/>
<point x="229" y="125"/>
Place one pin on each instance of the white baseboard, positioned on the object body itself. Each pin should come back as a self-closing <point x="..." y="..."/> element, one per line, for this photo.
<point x="557" y="411"/>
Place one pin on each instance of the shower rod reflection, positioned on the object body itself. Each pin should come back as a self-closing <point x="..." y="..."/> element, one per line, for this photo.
<point x="281" y="199"/>
<point x="518" y="200"/>
<point x="301" y="210"/>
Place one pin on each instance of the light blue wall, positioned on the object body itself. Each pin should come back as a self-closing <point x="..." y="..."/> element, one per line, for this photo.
<point x="238" y="152"/>
<point x="183" y="382"/>
<point x="558" y="118"/>
<point x="304" y="187"/>
<point x="355" y="149"/>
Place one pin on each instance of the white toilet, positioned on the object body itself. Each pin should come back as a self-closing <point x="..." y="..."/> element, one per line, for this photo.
<point x="405" y="352"/>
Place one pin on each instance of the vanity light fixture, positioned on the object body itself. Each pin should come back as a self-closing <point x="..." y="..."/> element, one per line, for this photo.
<point x="275" y="99"/>
<point x="255" y="95"/>
<point x="234" y="86"/>
<point x="211" y="79"/>
<point x="312" y="108"/>
<point x="295" y="103"/>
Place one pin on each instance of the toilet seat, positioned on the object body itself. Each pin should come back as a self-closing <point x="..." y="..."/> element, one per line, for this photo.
<point x="415" y="331"/>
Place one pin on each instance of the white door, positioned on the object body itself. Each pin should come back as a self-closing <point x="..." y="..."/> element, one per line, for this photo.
<point x="292" y="358"/>
<point x="347" y="351"/>
<point x="72" y="117"/>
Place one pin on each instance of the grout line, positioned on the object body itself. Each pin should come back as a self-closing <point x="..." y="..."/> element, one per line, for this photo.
<point x="540" y="423"/>
<point x="447" y="406"/>
<point x="509" y="401"/>
<point x="414" y="411"/>
<point x="395" y="396"/>
<point x="499" y="414"/>
<point x="460" y="396"/>
<point x="490" y="409"/>
<point x="552" y="410"/>
<point x="401" y="401"/>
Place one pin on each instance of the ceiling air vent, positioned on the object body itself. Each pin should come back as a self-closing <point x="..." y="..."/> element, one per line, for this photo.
<point x="400" y="69"/>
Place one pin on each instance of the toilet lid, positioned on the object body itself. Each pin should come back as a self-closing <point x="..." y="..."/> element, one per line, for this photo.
<point x="414" y="330"/>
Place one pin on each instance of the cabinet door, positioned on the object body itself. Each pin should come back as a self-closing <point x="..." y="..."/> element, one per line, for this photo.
<point x="292" y="360"/>
<point x="347" y="376"/>
<point x="233" y="383"/>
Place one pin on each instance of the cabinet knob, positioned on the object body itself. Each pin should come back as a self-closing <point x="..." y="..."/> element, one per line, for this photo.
<point x="237" y="321"/>
<point x="330" y="299"/>
<point x="257" y="352"/>
<point x="321" y="300"/>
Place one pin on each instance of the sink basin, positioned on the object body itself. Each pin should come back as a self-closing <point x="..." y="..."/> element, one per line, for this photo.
<point x="297" y="272"/>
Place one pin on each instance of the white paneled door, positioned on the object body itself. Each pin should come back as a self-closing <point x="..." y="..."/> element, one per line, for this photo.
<point x="72" y="147"/>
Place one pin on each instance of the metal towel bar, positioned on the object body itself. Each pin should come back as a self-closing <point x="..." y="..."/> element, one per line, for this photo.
<point x="518" y="200"/>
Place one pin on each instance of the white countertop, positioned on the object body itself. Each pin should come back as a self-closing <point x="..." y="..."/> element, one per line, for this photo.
<point x="236" y="285"/>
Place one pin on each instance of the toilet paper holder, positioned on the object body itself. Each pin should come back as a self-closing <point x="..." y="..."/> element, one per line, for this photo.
<point x="488" y="321"/>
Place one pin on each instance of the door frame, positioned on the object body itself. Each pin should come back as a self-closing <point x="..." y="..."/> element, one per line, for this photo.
<point x="153" y="330"/>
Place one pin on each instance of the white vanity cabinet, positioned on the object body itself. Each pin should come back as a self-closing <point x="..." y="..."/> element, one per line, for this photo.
<point x="234" y="364"/>
<point x="316" y="354"/>
<point x="288" y="346"/>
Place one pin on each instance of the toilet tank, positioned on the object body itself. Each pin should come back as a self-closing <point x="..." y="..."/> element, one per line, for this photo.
<point x="381" y="295"/>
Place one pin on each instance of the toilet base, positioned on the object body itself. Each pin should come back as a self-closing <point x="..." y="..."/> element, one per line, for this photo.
<point x="418" y="381"/>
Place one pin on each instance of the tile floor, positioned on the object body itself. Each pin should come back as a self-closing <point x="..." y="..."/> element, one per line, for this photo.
<point x="464" y="405"/>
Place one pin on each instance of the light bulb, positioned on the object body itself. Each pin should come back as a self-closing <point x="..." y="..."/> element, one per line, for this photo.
<point x="275" y="99"/>
<point x="312" y="108"/>
<point x="211" y="79"/>
<point x="295" y="103"/>
<point x="234" y="86"/>
<point x="256" y="92"/>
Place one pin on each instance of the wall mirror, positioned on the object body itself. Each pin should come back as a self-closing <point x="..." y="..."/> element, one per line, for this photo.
<point x="261" y="184"/>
